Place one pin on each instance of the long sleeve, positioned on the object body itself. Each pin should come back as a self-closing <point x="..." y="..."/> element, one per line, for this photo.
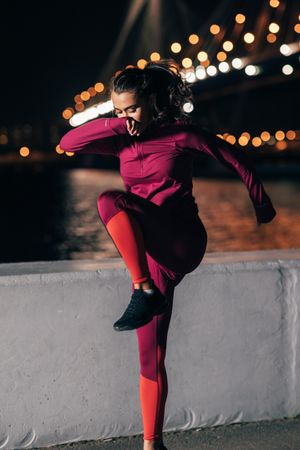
<point x="195" y="140"/>
<point x="100" y="136"/>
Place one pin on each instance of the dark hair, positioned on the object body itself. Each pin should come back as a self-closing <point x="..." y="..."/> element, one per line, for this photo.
<point x="161" y="78"/>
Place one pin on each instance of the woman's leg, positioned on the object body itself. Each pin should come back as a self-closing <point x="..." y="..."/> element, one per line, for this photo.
<point x="171" y="249"/>
<point x="127" y="235"/>
<point x="174" y="244"/>
<point x="152" y="344"/>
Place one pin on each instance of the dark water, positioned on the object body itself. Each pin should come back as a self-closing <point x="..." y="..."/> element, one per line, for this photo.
<point x="52" y="215"/>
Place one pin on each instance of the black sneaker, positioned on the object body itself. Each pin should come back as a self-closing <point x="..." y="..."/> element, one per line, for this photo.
<point x="141" y="309"/>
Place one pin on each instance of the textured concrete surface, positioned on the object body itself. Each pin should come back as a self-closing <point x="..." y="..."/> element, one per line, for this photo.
<point x="283" y="434"/>
<point x="66" y="376"/>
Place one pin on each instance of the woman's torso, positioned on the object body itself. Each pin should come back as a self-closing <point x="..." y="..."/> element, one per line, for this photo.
<point x="153" y="167"/>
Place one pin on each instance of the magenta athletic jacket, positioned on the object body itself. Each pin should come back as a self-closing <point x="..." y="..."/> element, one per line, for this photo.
<point x="157" y="165"/>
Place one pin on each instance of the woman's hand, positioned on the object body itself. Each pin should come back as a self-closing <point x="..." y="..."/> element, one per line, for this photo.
<point x="265" y="213"/>
<point x="133" y="127"/>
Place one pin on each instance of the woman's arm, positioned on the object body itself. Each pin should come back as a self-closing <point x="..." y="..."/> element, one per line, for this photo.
<point x="195" y="140"/>
<point x="100" y="136"/>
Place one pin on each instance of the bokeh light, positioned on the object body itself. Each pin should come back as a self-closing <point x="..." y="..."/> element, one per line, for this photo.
<point x="176" y="47"/>
<point x="240" y="18"/>
<point x="141" y="63"/>
<point x="193" y="39"/>
<point x="99" y="87"/>
<point x="227" y="46"/>
<point x="202" y="56"/>
<point x="155" y="56"/>
<point x="214" y="29"/>
<point x="24" y="151"/>
<point x="249" y="38"/>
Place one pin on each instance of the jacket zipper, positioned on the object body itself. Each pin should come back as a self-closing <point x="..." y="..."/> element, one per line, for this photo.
<point x="140" y="156"/>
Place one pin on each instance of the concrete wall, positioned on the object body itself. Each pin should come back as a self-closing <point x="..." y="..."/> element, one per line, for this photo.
<point x="66" y="375"/>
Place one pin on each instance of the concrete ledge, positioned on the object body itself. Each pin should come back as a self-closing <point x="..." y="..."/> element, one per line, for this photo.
<point x="67" y="376"/>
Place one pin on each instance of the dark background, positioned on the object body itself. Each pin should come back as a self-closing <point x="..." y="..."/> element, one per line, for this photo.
<point x="50" y="51"/>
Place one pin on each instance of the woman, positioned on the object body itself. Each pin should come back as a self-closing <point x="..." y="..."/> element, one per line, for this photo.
<point x="154" y="223"/>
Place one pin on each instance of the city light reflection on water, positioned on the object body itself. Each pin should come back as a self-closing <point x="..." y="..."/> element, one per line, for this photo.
<point x="52" y="215"/>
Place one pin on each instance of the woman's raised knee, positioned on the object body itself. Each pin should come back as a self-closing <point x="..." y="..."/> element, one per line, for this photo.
<point x="106" y="203"/>
<point x="109" y="195"/>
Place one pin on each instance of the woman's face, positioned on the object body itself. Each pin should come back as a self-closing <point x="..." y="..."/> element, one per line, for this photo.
<point x="128" y="104"/>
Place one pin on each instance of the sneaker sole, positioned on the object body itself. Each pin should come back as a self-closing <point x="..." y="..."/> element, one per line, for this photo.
<point x="137" y="325"/>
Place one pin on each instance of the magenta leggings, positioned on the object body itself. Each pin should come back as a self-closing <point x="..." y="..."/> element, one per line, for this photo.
<point x="174" y="247"/>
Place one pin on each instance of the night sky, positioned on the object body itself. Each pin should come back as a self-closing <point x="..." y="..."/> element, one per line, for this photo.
<point x="52" y="52"/>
